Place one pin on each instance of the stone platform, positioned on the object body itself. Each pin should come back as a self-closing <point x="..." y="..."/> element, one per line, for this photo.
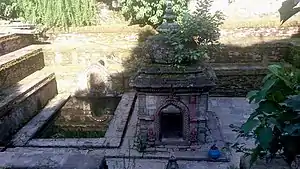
<point x="229" y="110"/>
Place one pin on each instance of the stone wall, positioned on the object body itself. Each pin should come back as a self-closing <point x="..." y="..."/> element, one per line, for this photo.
<point x="238" y="81"/>
<point x="27" y="107"/>
<point x="71" y="53"/>
<point x="16" y="70"/>
<point x="9" y="43"/>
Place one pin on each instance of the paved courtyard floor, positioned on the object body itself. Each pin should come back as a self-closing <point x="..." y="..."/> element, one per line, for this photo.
<point x="230" y="111"/>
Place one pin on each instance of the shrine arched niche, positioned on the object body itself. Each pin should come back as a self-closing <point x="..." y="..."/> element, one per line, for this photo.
<point x="172" y="120"/>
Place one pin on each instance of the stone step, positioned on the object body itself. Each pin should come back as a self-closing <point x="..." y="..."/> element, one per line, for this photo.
<point x="37" y="122"/>
<point x="20" y="102"/>
<point x="51" y="160"/>
<point x="19" y="64"/>
<point x="13" y="42"/>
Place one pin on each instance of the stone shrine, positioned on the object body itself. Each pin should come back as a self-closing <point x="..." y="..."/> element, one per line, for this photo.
<point x="172" y="100"/>
<point x="173" y="104"/>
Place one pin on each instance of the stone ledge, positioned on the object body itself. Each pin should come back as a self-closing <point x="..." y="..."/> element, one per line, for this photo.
<point x="51" y="160"/>
<point x="13" y="42"/>
<point x="17" y="56"/>
<point x="24" y="106"/>
<point x="9" y="97"/>
<point x="180" y="155"/>
<point x="112" y="139"/>
<point x="28" y="131"/>
<point x="68" y="142"/>
<point x="19" y="64"/>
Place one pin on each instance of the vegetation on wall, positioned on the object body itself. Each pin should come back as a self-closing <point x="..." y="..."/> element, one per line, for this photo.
<point x="149" y="12"/>
<point x="274" y="125"/>
<point x="50" y="13"/>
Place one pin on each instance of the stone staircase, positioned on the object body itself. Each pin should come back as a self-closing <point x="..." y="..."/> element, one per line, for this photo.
<point x="26" y="85"/>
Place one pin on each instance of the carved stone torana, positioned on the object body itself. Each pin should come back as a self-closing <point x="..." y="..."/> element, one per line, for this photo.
<point x="185" y="113"/>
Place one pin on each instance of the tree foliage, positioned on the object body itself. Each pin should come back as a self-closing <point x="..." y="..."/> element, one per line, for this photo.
<point x="275" y="123"/>
<point x="149" y="12"/>
<point x="59" y="13"/>
<point x="288" y="9"/>
<point x="8" y="9"/>
<point x="199" y="33"/>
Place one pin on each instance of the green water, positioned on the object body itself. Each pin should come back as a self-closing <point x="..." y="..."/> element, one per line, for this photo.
<point x="81" y="118"/>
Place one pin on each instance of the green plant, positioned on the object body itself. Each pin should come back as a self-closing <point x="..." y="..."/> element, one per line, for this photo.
<point x="50" y="13"/>
<point x="275" y="123"/>
<point x="142" y="143"/>
<point x="198" y="34"/>
<point x="149" y="12"/>
<point x="294" y="56"/>
<point x="8" y="9"/>
<point x="288" y="9"/>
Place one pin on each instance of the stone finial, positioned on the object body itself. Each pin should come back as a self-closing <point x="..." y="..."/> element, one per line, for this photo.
<point x="169" y="24"/>
<point x="172" y="163"/>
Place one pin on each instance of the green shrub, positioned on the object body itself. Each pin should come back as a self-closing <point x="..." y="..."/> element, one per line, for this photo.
<point x="294" y="56"/>
<point x="8" y="9"/>
<point x="149" y="12"/>
<point x="275" y="123"/>
<point x="199" y="34"/>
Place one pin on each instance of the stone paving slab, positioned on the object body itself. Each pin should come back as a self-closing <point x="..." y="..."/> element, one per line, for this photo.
<point x="50" y="160"/>
<point x="68" y="142"/>
<point x="34" y="150"/>
<point x="161" y="164"/>
<point x="229" y="110"/>
<point x="199" y="154"/>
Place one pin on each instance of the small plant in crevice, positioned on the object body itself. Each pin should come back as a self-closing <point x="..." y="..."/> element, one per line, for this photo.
<point x="275" y="123"/>
<point x="141" y="143"/>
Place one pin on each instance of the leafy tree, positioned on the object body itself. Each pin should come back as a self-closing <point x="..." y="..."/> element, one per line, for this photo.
<point x="50" y="13"/>
<point x="8" y="9"/>
<point x="275" y="123"/>
<point x="149" y="12"/>
<point x="288" y="9"/>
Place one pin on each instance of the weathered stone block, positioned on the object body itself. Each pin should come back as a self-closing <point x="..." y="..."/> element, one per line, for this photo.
<point x="10" y="43"/>
<point x="19" y="64"/>
<point x="26" y="106"/>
